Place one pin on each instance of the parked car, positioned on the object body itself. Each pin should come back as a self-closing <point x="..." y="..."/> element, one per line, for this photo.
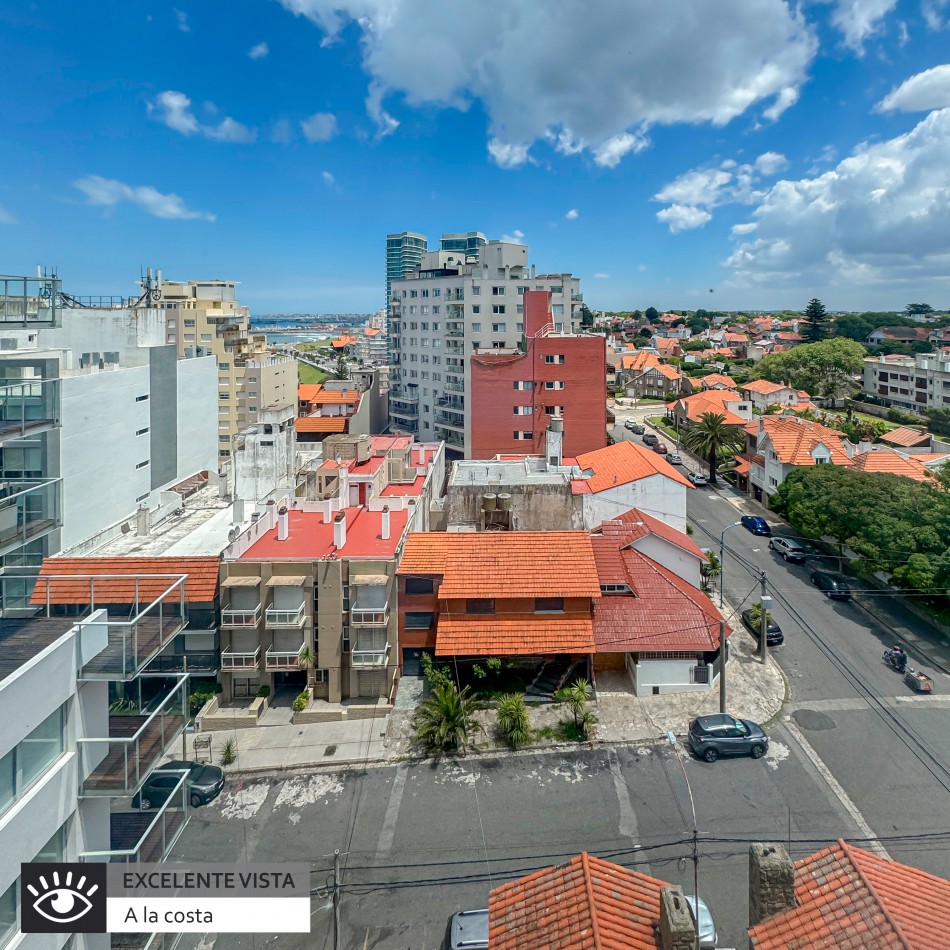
<point x="702" y="918"/>
<point x="773" y="636"/>
<point x="469" y="930"/>
<point x="713" y="736"/>
<point x="698" y="479"/>
<point x="834" y="586"/>
<point x="634" y="427"/>
<point x="674" y="459"/>
<point x="204" y="784"/>
<point x="756" y="525"/>
<point x="790" y="550"/>
<point x="660" y="448"/>
<point x="650" y="438"/>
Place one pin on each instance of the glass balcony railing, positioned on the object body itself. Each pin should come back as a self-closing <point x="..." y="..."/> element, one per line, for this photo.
<point x="29" y="508"/>
<point x="372" y="657"/>
<point x="240" y="659"/>
<point x="285" y="616"/>
<point x="282" y="659"/>
<point x="241" y="616"/>
<point x="137" y="836"/>
<point x="372" y="616"/>
<point x="195" y="663"/>
<point x="451" y="420"/>
<point x="29" y="407"/>
<point x="30" y="301"/>
<point x="450" y="436"/>
<point x="404" y="413"/>
<point x="119" y="763"/>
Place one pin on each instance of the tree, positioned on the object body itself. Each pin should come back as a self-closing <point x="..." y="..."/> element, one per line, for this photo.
<point x="644" y="332"/>
<point x="712" y="438"/>
<point x="826" y="369"/>
<point x="445" y="721"/>
<point x="576" y="698"/>
<point x="342" y="370"/>
<point x="651" y="313"/>
<point x="755" y="615"/>
<point x="814" y="321"/>
<point x="513" y="723"/>
<point x="711" y="569"/>
<point x="308" y="660"/>
<point x="919" y="309"/>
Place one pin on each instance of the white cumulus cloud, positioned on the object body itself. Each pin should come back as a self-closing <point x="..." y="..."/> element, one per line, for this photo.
<point x="108" y="192"/>
<point x="769" y="163"/>
<point x="502" y="55"/>
<point x="328" y="178"/>
<point x="921" y="93"/>
<point x="385" y="123"/>
<point x="879" y="216"/>
<point x="508" y="156"/>
<point x="683" y="217"/>
<point x="572" y="214"/>
<point x="174" y="110"/>
<point x="601" y="276"/>
<point x="259" y="51"/>
<point x="860" y="19"/>
<point x="320" y="127"/>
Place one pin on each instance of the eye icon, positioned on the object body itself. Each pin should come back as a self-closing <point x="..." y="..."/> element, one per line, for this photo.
<point x="62" y="903"/>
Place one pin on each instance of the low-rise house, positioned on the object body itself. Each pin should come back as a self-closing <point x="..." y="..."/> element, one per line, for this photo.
<point x="718" y="381"/>
<point x="642" y="374"/>
<point x="909" y="439"/>
<point x="890" y="461"/>
<point x="898" y="335"/>
<point x="763" y="394"/>
<point x="736" y="410"/>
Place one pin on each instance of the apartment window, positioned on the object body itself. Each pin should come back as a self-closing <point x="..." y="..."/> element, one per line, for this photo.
<point x="321" y="676"/>
<point x="519" y="328"/>
<point x="498" y="291"/>
<point x="425" y="325"/>
<point x="224" y="438"/>
<point x="437" y="292"/>
<point x="436" y="376"/>
<point x="476" y="308"/>
<point x="413" y="293"/>
<point x="224" y="395"/>
<point x="252" y="379"/>
<point x="821" y="461"/>
<point x="224" y="366"/>
<point x="436" y="344"/>
<point x="476" y="344"/>
<point x="773" y="482"/>
<point x="419" y="621"/>
<point x="205" y="337"/>
<point x="252" y="395"/>
<point x="142" y="464"/>
<point x="555" y="384"/>
<point x="498" y="308"/>
<point x="436" y="326"/>
<point x="498" y="344"/>
<point x="31" y="758"/>
<point x="189" y="337"/>
<point x="435" y="309"/>
<point x="425" y="341"/>
<point x="557" y="290"/>
<point x="549" y="605"/>
<point x="189" y="323"/>
<point x="420" y="585"/>
<point x="523" y="410"/>
<point x="413" y="309"/>
<point x="480" y="605"/>
<point x="425" y="293"/>
<point x="522" y="436"/>
<point x="476" y="328"/>
<point x="554" y="359"/>
<point x="522" y="291"/>
<point x="551" y="410"/>
<point x="141" y="431"/>
<point x="498" y="328"/>
<point x="558" y="327"/>
<point x="413" y="325"/>
<point x="476" y="290"/>
<point x="522" y="384"/>
<point x="403" y="295"/>
<point x="615" y="589"/>
<point x="141" y="398"/>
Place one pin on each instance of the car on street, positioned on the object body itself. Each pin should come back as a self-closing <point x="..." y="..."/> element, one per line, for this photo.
<point x="756" y="525"/>
<point x="674" y="459"/>
<point x="773" y="637"/>
<point x="204" y="784"/>
<point x="835" y="587"/>
<point x="634" y="427"/>
<point x="660" y="448"/>
<point x="698" y="479"/>
<point x="716" y="735"/>
<point x="703" y="919"/>
<point x="469" y="930"/>
<point x="650" y="438"/>
<point x="790" y="550"/>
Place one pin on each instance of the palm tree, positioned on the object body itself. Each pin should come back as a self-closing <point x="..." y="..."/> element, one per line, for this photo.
<point x="711" y="438"/>
<point x="513" y="723"/>
<point x="576" y="698"/>
<point x="446" y="719"/>
<point x="308" y="660"/>
<point x="711" y="569"/>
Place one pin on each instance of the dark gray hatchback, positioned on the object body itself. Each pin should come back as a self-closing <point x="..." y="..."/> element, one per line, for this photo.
<point x="713" y="736"/>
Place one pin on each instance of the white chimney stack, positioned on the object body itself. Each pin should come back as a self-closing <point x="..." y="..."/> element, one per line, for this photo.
<point x="339" y="530"/>
<point x="283" y="524"/>
<point x="422" y="455"/>
<point x="554" y="440"/>
<point x="384" y="531"/>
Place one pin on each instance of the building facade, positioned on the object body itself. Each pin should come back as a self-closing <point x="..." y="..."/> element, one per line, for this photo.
<point x="404" y="253"/>
<point x="910" y="382"/>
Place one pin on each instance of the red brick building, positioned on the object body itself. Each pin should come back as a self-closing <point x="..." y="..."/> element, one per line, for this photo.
<point x="514" y="394"/>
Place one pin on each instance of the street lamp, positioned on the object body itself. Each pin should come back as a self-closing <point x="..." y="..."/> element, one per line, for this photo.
<point x="722" y="559"/>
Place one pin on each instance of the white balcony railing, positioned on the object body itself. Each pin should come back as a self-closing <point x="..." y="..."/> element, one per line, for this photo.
<point x="285" y="616"/>
<point x="370" y="657"/>
<point x="240" y="660"/>
<point x="372" y="617"/>
<point x="282" y="659"/>
<point x="243" y="617"/>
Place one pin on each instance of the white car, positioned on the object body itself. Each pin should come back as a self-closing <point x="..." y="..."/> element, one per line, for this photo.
<point x="698" y="479"/>
<point x="674" y="459"/>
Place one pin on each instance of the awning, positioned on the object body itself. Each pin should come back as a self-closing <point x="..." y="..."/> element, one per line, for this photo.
<point x="285" y="580"/>
<point x="241" y="580"/>
<point x="358" y="580"/>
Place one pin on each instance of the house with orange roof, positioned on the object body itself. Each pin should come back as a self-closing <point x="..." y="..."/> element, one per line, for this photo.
<point x="333" y="406"/>
<point x="892" y="462"/>
<point x="736" y="410"/>
<point x="763" y="394"/>
<point x="718" y="381"/>
<point x="909" y="438"/>
<point x="642" y="374"/>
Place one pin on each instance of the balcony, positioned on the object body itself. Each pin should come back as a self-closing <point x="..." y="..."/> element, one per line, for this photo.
<point x="200" y="664"/>
<point x="241" y="616"/>
<point x="30" y="302"/>
<point x="373" y="657"/>
<point x="456" y="332"/>
<point x="276" y="660"/>
<point x="451" y="420"/>
<point x="411" y="413"/>
<point x="29" y="508"/>
<point x="147" y="836"/>
<point x="448" y="435"/>
<point x="400" y="396"/>
<point x="118" y="765"/>
<point x="285" y="616"/>
<point x="369" y="617"/>
<point x="240" y="660"/>
<point x="454" y="348"/>
<point x="28" y="408"/>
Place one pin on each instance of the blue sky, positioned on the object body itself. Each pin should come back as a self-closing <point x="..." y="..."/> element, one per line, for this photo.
<point x="763" y="151"/>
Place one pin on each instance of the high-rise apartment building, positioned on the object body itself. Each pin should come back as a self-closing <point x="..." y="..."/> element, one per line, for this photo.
<point x="450" y="308"/>
<point x="403" y="254"/>
<point x="203" y="317"/>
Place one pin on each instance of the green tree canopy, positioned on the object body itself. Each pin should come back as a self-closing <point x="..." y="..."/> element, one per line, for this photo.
<point x="825" y="369"/>
<point x="651" y="313"/>
<point x="814" y="325"/>
<point x="712" y="438"/>
<point x="342" y="370"/>
<point x="918" y="308"/>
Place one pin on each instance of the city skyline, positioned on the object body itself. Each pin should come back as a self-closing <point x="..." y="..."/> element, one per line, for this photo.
<point x="803" y="154"/>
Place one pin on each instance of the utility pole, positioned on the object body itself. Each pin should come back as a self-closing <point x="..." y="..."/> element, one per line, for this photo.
<point x="722" y="665"/>
<point x="336" y="899"/>
<point x="765" y="602"/>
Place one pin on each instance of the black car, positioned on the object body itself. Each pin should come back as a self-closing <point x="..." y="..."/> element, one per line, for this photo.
<point x="634" y="427"/>
<point x="650" y="438"/>
<point x="834" y="586"/>
<point x="756" y="525"/>
<point x="204" y="783"/>
<point x="773" y="636"/>
<point x="713" y="736"/>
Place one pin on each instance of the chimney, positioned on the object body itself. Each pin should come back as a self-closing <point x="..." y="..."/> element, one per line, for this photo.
<point x="143" y="521"/>
<point x="384" y="530"/>
<point x="554" y="440"/>
<point x="283" y="524"/>
<point x="327" y="510"/>
<point x="677" y="930"/>
<point x="339" y="530"/>
<point x="771" y="882"/>
<point x="422" y="455"/>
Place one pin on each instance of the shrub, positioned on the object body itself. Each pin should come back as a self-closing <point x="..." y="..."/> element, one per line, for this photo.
<point x="445" y="721"/>
<point x="513" y="722"/>
<point x="198" y="698"/>
<point x="263" y="691"/>
<point x="228" y="752"/>
<point x="436" y="675"/>
<point x="301" y="701"/>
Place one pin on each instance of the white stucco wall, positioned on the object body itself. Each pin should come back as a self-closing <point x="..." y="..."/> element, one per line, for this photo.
<point x="657" y="495"/>
<point x="197" y="415"/>
<point x="675" y="559"/>
<point x="128" y="332"/>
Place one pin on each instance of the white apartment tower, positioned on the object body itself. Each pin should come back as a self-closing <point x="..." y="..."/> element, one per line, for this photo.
<point x="452" y="306"/>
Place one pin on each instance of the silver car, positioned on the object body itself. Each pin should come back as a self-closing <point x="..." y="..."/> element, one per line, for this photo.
<point x="708" y="938"/>
<point x="469" y="930"/>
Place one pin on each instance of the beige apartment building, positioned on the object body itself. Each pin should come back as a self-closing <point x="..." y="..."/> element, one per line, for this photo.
<point x="204" y="317"/>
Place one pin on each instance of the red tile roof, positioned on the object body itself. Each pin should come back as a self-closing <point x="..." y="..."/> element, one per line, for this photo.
<point x="620" y="464"/>
<point x="763" y="387"/>
<point x="504" y="564"/>
<point x="635" y="524"/>
<point x="320" y="424"/>
<point x="200" y="587"/>
<point x="794" y="440"/>
<point x="524" y="635"/>
<point x="848" y="897"/>
<point x="718" y="379"/>
<point x="892" y="462"/>
<point x="585" y="904"/>
<point x="907" y="437"/>
<point x="710" y="400"/>
<point x="335" y="396"/>
<point x="307" y="391"/>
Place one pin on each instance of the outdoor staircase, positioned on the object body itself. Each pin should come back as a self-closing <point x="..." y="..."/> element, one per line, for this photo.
<point x="551" y="677"/>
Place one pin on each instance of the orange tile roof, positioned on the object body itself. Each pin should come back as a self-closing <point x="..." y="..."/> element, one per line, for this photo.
<point x="200" y="587"/>
<point x="343" y="341"/>
<point x="907" y="437"/>
<point x="763" y="387"/>
<point x="670" y="372"/>
<point x="307" y="391"/>
<point x="635" y="524"/>
<point x="585" y="904"/>
<point x="849" y="897"/>
<point x="524" y="635"/>
<point x="718" y="379"/>
<point x="892" y="462"/>
<point x="504" y="564"/>
<point x="711" y="400"/>
<point x="743" y="467"/>
<point x="794" y="439"/>
<point x="641" y="360"/>
<point x="334" y="396"/>
<point x="320" y="424"/>
<point x="623" y="463"/>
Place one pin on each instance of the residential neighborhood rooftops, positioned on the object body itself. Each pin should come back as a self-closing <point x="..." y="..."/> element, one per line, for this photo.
<point x="620" y="464"/>
<point x="794" y="440"/>
<point x="718" y="380"/>
<point x="892" y="462"/>
<point x="635" y="524"/>
<point x="307" y="391"/>
<point x="763" y="386"/>
<point x="716" y="401"/>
